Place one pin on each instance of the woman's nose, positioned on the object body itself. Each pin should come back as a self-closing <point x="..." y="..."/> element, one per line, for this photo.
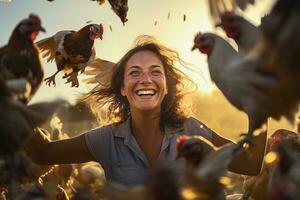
<point x="145" y="78"/>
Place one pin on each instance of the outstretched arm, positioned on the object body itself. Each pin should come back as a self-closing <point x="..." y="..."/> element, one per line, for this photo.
<point x="46" y="152"/>
<point x="249" y="162"/>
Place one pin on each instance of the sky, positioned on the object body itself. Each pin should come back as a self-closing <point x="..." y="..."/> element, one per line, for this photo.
<point x="173" y="32"/>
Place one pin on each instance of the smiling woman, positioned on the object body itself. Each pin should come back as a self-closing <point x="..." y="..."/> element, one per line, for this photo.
<point x="151" y="66"/>
<point x="144" y="97"/>
<point x="144" y="82"/>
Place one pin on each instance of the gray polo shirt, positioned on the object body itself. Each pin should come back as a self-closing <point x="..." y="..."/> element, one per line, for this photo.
<point x="116" y="149"/>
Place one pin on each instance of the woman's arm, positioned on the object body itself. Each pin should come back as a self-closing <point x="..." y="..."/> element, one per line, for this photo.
<point x="249" y="162"/>
<point x="43" y="151"/>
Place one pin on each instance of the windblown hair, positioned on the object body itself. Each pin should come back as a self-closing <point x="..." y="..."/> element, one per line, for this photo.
<point x="178" y="84"/>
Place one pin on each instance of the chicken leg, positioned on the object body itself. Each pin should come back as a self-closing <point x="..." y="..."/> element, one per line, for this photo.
<point x="51" y="79"/>
<point x="72" y="77"/>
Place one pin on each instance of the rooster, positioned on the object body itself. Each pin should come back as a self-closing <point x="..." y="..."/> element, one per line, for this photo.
<point x="246" y="86"/>
<point x="71" y="50"/>
<point x="120" y="7"/>
<point x="206" y="179"/>
<point x="244" y="33"/>
<point x="193" y="149"/>
<point x="20" y="58"/>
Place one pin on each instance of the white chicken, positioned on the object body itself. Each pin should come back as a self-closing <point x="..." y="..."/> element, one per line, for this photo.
<point x="238" y="78"/>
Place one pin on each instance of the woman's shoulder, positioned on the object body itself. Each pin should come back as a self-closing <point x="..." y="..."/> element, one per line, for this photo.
<point x="105" y="129"/>
<point x="193" y="126"/>
<point x="115" y="129"/>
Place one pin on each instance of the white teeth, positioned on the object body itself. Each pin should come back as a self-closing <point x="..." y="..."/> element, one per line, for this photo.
<point x="145" y="92"/>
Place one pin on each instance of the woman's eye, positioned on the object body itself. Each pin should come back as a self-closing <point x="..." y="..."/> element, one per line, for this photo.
<point x="156" y="72"/>
<point x="134" y="73"/>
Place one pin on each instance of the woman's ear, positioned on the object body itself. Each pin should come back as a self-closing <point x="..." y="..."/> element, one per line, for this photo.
<point x="167" y="89"/>
<point x="123" y="91"/>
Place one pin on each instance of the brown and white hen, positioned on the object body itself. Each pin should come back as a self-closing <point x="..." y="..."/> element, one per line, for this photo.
<point x="71" y="50"/>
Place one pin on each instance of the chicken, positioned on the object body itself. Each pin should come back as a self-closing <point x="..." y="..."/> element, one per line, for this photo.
<point x="216" y="164"/>
<point x="20" y="119"/>
<point x="193" y="149"/>
<point x="161" y="182"/>
<point x="207" y="179"/>
<point x="280" y="31"/>
<point x="244" y="33"/>
<point x="216" y="7"/>
<point x="245" y="85"/>
<point x="19" y="88"/>
<point x="20" y="58"/>
<point x="120" y="7"/>
<point x="285" y="180"/>
<point x="71" y="50"/>
<point x="256" y="187"/>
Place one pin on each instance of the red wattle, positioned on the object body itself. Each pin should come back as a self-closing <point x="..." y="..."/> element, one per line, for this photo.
<point x="94" y="36"/>
<point x="33" y="35"/>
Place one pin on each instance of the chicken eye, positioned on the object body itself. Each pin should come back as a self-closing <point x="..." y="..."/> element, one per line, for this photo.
<point x="202" y="39"/>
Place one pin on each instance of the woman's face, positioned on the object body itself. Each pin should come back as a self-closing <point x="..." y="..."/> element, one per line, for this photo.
<point x="144" y="82"/>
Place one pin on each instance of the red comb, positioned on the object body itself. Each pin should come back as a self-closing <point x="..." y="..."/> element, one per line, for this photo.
<point x="35" y="19"/>
<point x="277" y="138"/>
<point x="198" y="35"/>
<point x="101" y="27"/>
<point x="180" y="140"/>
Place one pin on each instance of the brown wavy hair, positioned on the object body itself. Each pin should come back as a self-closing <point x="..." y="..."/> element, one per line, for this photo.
<point x="117" y="106"/>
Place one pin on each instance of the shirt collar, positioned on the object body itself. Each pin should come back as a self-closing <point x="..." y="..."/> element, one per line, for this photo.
<point x="124" y="130"/>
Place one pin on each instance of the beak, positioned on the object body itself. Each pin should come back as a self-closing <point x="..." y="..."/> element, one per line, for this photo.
<point x="124" y="20"/>
<point x="194" y="47"/>
<point x="101" y="37"/>
<point x="42" y="29"/>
